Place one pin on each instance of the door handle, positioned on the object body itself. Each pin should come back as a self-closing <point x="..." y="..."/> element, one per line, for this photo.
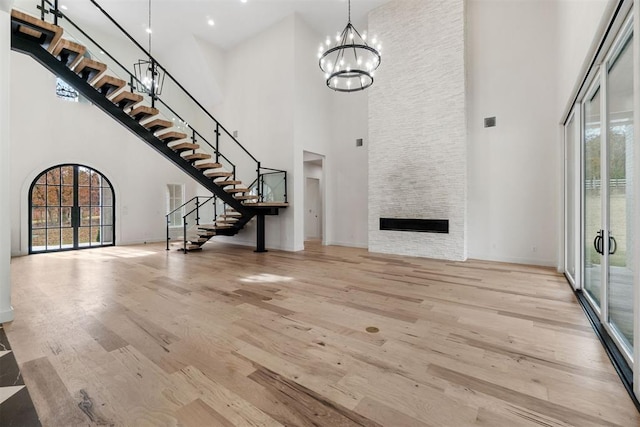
<point x="75" y="216"/>
<point x="597" y="242"/>
<point x="613" y="245"/>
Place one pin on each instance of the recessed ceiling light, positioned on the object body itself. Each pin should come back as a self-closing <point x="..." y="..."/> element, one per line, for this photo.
<point x="63" y="7"/>
<point x="210" y="22"/>
<point x="148" y="30"/>
<point x="243" y="1"/>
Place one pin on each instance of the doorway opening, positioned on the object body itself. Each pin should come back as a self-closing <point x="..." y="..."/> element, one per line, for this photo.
<point x="314" y="229"/>
<point x="70" y="207"/>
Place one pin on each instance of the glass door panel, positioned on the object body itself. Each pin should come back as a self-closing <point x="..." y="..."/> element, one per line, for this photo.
<point x="620" y="194"/>
<point x="592" y="196"/>
<point x="71" y="207"/>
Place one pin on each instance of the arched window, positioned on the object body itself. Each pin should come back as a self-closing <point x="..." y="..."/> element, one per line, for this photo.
<point x="70" y="207"/>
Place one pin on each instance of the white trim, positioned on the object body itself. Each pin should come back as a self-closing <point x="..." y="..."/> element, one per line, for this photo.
<point x="574" y="121"/>
<point x="598" y="47"/>
<point x="604" y="194"/>
<point x="636" y="223"/>
<point x="621" y="39"/>
<point x="346" y="244"/>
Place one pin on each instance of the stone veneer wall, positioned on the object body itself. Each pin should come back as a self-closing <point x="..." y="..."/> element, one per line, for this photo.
<point x="417" y="127"/>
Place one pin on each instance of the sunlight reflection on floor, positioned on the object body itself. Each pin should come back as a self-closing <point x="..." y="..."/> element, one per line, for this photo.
<point x="266" y="278"/>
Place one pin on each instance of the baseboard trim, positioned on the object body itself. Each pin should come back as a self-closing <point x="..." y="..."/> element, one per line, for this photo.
<point x="347" y="244"/>
<point x="514" y="260"/>
<point x="6" y="315"/>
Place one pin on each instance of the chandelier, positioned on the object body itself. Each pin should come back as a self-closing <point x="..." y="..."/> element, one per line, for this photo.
<point x="149" y="77"/>
<point x="349" y="65"/>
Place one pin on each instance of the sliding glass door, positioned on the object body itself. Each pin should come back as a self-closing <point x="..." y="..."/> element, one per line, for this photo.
<point x="619" y="194"/>
<point x="592" y="194"/>
<point x="608" y="194"/>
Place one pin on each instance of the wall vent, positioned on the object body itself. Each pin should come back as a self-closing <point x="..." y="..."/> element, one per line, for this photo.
<point x="489" y="122"/>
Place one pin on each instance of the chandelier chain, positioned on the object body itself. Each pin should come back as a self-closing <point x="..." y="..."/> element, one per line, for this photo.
<point x="150" y="27"/>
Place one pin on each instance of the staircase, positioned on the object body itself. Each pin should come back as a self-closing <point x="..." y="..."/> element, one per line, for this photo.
<point x="194" y="234"/>
<point x="148" y="117"/>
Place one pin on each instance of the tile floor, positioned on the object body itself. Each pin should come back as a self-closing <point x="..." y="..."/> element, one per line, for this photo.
<point x="16" y="407"/>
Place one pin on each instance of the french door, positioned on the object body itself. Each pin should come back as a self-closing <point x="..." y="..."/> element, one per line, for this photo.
<point x="70" y="207"/>
<point x="608" y="194"/>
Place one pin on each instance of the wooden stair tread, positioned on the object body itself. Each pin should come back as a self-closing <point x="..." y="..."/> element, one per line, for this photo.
<point x="271" y="204"/>
<point x="142" y="112"/>
<point x="184" y="146"/>
<point x="208" y="165"/>
<point x="172" y="136"/>
<point x="236" y="190"/>
<point x="126" y="99"/>
<point x="157" y="124"/>
<point x="214" y="227"/>
<point x="48" y="33"/>
<point x="206" y="227"/>
<point x="247" y="197"/>
<point x="69" y="52"/>
<point x="89" y="69"/>
<point x="232" y="213"/>
<point x="190" y="246"/>
<point x="197" y="156"/>
<point x="217" y="173"/>
<point x="226" y="183"/>
<point x="108" y="85"/>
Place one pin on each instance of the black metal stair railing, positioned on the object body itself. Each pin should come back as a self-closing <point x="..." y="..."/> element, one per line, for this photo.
<point x="210" y="142"/>
<point x="187" y="218"/>
<point x="176" y="219"/>
<point x="268" y="186"/>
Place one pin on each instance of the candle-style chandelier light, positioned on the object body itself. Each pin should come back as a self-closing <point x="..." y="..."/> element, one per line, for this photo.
<point x="350" y="63"/>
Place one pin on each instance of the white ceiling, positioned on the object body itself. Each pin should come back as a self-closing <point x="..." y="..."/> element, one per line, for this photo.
<point x="234" y="20"/>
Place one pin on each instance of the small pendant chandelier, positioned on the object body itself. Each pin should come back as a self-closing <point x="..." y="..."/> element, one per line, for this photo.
<point x="149" y="77"/>
<point x="349" y="65"/>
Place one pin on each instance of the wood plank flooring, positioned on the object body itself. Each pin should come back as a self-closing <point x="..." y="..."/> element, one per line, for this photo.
<point x="139" y="336"/>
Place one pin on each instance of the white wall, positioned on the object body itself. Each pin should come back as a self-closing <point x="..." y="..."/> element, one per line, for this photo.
<point x="276" y="98"/>
<point x="417" y="127"/>
<point x="347" y="170"/>
<point x="259" y="104"/>
<point x="328" y="123"/>
<point x="6" y="310"/>
<point x="523" y="77"/>
<point x="578" y="24"/>
<point x="312" y="129"/>
<point x="46" y="131"/>
<point x="514" y="175"/>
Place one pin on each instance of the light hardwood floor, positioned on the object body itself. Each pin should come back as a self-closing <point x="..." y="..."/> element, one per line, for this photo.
<point x="226" y="337"/>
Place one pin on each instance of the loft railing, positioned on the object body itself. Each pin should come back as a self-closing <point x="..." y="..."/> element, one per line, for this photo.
<point x="188" y="216"/>
<point x="270" y="186"/>
<point x="176" y="103"/>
